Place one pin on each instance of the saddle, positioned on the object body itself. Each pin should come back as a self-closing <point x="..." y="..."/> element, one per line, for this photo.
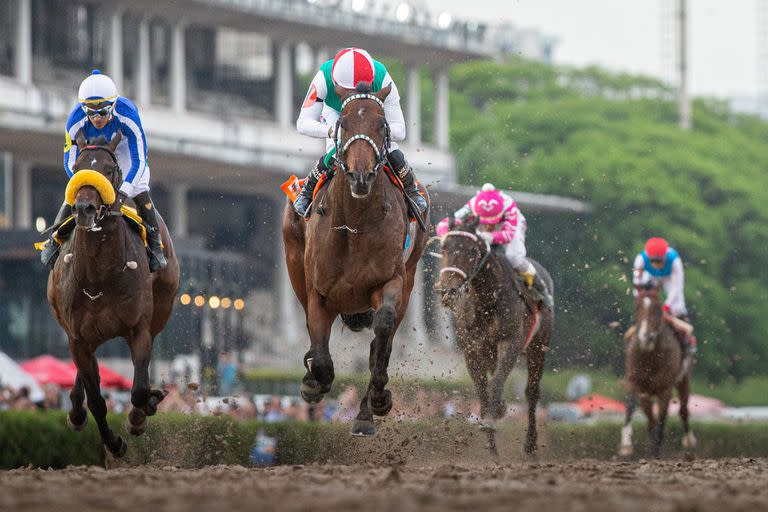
<point x="293" y="185"/>
<point x="63" y="231"/>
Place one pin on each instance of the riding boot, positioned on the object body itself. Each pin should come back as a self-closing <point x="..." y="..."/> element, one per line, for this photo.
<point x="147" y="212"/>
<point x="537" y="286"/>
<point x="50" y="253"/>
<point x="405" y="173"/>
<point x="304" y="200"/>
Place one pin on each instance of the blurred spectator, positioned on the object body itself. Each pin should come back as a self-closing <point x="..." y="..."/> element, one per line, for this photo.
<point x="21" y="401"/>
<point x="227" y="371"/>
<point x="52" y="399"/>
<point x="243" y="407"/>
<point x="273" y="410"/>
<point x="348" y="405"/>
<point x="295" y="411"/>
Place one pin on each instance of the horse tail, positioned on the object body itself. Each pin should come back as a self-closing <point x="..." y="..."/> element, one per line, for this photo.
<point x="358" y="321"/>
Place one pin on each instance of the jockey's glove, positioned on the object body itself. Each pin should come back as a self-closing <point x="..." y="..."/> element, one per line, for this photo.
<point x="488" y="237"/>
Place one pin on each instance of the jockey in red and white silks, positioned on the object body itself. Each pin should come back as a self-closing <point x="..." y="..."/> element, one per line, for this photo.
<point x="504" y="225"/>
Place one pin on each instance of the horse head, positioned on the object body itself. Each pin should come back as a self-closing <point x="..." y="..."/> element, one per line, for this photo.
<point x="649" y="317"/>
<point x="462" y="255"/>
<point x="97" y="177"/>
<point x="362" y="136"/>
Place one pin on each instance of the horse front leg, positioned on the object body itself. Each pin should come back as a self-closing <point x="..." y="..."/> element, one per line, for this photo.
<point x="390" y="309"/>
<point x="532" y="389"/>
<point x="77" y="418"/>
<point x="658" y="433"/>
<point x="508" y="352"/>
<point x="88" y="371"/>
<point x="144" y="399"/>
<point x="626" y="448"/>
<point x="320" y="374"/>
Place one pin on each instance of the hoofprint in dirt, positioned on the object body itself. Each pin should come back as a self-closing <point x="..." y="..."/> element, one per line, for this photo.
<point x="588" y="485"/>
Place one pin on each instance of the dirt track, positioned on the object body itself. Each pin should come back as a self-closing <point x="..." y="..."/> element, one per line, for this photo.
<point x="589" y="485"/>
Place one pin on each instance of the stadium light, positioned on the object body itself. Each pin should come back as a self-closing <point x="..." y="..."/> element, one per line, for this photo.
<point x="358" y="5"/>
<point x="445" y="20"/>
<point x="40" y="224"/>
<point x="239" y="304"/>
<point x="403" y="12"/>
<point x="214" y="302"/>
<point x="199" y="301"/>
<point x="226" y="302"/>
<point x="185" y="299"/>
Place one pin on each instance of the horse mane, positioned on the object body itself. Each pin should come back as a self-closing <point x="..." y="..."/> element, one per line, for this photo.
<point x="364" y="87"/>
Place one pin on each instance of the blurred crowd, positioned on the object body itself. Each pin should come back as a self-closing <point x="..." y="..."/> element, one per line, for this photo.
<point x="19" y="399"/>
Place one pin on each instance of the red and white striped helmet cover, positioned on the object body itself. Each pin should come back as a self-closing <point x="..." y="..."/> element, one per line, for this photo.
<point x="352" y="66"/>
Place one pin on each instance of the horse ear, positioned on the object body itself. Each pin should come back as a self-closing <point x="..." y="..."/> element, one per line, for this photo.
<point x="474" y="223"/>
<point x="384" y="92"/>
<point x="451" y="222"/>
<point x="80" y="139"/>
<point x="115" y="141"/>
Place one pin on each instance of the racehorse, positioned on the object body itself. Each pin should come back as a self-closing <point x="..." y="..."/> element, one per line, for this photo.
<point x="101" y="288"/>
<point x="347" y="259"/>
<point x="653" y="368"/>
<point x="496" y="320"/>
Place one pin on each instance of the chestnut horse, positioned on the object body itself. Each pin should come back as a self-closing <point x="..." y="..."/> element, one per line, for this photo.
<point x="495" y="322"/>
<point x="347" y="259"/>
<point x="653" y="368"/>
<point x="101" y="288"/>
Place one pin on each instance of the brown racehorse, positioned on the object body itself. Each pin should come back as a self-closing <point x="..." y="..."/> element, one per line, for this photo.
<point x="101" y="288"/>
<point x="348" y="258"/>
<point x="494" y="322"/>
<point x="653" y="368"/>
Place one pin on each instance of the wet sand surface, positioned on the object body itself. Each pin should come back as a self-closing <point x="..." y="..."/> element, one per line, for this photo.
<point x="589" y="485"/>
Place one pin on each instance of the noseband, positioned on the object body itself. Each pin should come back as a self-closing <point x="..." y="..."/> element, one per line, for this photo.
<point x="380" y="152"/>
<point x="468" y="277"/>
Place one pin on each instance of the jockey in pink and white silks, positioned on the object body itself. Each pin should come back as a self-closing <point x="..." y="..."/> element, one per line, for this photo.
<point x="322" y="107"/>
<point x="503" y="225"/>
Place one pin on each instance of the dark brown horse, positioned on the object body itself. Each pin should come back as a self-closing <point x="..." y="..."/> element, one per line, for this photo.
<point x="101" y="288"/>
<point x="653" y="367"/>
<point x="495" y="322"/>
<point x="348" y="258"/>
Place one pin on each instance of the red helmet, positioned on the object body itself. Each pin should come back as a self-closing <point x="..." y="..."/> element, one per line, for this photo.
<point x="656" y="248"/>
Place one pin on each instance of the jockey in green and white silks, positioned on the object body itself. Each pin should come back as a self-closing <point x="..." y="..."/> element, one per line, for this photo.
<point x="101" y="112"/>
<point x="322" y="107"/>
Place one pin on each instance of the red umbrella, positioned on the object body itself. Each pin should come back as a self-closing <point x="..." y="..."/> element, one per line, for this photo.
<point x="591" y="404"/>
<point x="110" y="378"/>
<point x="49" y="370"/>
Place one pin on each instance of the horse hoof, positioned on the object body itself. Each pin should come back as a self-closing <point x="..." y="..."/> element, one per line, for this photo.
<point x="135" y="429"/>
<point x="363" y="428"/>
<point x="380" y="406"/>
<point x="74" y="427"/>
<point x="626" y="451"/>
<point x="689" y="441"/>
<point x="121" y="448"/>
<point x="310" y="395"/>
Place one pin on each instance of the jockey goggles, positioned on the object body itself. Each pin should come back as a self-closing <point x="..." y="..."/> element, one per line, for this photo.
<point x="657" y="261"/>
<point x="102" y="112"/>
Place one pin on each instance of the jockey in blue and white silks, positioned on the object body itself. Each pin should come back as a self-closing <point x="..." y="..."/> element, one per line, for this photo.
<point x="101" y="112"/>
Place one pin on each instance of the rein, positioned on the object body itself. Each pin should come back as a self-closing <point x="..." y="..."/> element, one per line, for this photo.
<point x="468" y="277"/>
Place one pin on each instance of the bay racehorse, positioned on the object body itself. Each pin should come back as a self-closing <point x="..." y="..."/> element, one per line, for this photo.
<point x="101" y="288"/>
<point x="496" y="320"/>
<point x="654" y="367"/>
<point x="347" y="259"/>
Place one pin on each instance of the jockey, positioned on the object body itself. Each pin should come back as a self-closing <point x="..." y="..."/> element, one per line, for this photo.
<point x="322" y="107"/>
<point x="658" y="264"/>
<point x="101" y="112"/>
<point x="504" y="226"/>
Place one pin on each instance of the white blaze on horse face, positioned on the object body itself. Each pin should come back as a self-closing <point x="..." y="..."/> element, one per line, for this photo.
<point x="361" y="112"/>
<point x="643" y="333"/>
<point x="93" y="162"/>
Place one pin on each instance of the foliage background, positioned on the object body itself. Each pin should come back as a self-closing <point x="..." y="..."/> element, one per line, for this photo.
<point x="612" y="140"/>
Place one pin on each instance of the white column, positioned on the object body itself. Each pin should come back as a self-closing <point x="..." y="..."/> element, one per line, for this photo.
<point x="178" y="68"/>
<point x="179" y="218"/>
<point x="23" y="52"/>
<point x="291" y="320"/>
<point x="413" y="119"/>
<point x="115" y="55"/>
<point x="6" y="164"/>
<point x="414" y="325"/>
<point x="22" y="184"/>
<point x="283" y="84"/>
<point x="143" y="66"/>
<point x="442" y="132"/>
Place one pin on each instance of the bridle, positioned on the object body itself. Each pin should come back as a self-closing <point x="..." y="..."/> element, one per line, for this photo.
<point x="468" y="276"/>
<point x="381" y="152"/>
<point x="115" y="178"/>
